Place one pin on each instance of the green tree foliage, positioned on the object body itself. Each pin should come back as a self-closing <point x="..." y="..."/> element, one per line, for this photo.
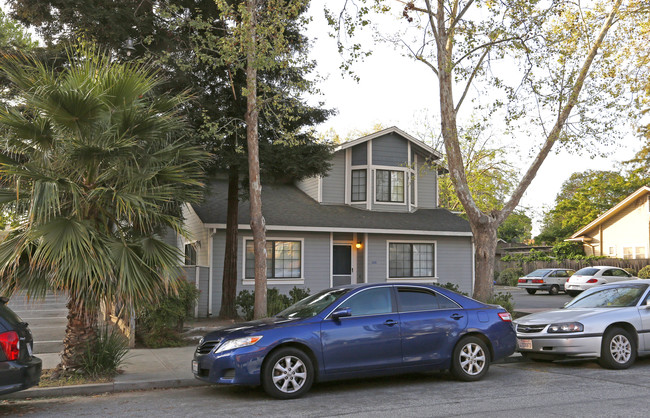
<point x="516" y="228"/>
<point x="95" y="164"/>
<point x="565" y="250"/>
<point x="584" y="197"/>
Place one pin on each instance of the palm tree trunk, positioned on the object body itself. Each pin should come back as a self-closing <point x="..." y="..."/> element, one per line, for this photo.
<point x="80" y="331"/>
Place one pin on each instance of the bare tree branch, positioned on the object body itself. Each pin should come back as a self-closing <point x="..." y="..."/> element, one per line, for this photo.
<point x="471" y="78"/>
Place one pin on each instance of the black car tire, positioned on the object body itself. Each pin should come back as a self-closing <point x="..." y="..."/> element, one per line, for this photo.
<point x="618" y="349"/>
<point x="287" y="373"/>
<point x="554" y="290"/>
<point x="471" y="359"/>
<point x="573" y="293"/>
<point x="531" y="291"/>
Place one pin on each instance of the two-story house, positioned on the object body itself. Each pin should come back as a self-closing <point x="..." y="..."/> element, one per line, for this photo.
<point x="373" y="218"/>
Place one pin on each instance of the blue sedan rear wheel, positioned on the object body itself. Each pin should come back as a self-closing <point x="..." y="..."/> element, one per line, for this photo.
<point x="471" y="359"/>
<point x="287" y="373"/>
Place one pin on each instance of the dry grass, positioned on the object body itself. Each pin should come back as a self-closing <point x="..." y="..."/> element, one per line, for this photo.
<point x="50" y="379"/>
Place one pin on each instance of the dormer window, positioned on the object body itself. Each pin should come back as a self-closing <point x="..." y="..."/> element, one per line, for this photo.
<point x="359" y="185"/>
<point x="390" y="186"/>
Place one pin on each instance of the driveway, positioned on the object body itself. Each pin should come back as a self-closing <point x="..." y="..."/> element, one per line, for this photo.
<point x="47" y="320"/>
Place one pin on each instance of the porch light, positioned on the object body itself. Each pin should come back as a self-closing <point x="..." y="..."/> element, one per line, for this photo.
<point x="358" y="245"/>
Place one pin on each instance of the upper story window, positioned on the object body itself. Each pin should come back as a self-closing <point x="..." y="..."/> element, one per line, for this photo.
<point x="190" y="255"/>
<point x="283" y="259"/>
<point x="359" y="185"/>
<point x="390" y="186"/>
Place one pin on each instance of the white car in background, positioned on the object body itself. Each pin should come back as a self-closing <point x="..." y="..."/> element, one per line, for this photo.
<point x="588" y="277"/>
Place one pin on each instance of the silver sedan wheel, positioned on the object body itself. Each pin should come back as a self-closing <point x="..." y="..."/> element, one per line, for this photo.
<point x="472" y="359"/>
<point x="620" y="348"/>
<point x="289" y="374"/>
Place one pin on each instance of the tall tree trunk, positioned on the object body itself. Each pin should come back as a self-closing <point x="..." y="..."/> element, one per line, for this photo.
<point x="229" y="282"/>
<point x="485" y="241"/>
<point x="255" y="186"/>
<point x="79" y="332"/>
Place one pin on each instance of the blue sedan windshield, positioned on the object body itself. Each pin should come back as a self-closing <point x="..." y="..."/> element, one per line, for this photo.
<point x="312" y="305"/>
<point x="613" y="297"/>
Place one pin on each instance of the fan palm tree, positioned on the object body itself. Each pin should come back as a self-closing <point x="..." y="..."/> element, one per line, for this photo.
<point x="94" y="164"/>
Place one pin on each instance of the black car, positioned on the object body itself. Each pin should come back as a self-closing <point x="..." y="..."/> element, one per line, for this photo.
<point x="19" y="369"/>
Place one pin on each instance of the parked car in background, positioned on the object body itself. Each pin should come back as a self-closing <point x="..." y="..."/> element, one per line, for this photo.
<point x="550" y="280"/>
<point x="609" y="322"/>
<point x="19" y="369"/>
<point x="588" y="277"/>
<point x="358" y="331"/>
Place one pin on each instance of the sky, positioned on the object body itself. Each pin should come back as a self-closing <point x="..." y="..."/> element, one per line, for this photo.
<point x="396" y="90"/>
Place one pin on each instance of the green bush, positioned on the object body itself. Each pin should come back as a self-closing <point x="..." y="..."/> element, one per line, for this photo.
<point x="631" y="271"/>
<point x="160" y="324"/>
<point x="453" y="287"/>
<point x="504" y="300"/>
<point x="275" y="301"/>
<point x="104" y="356"/>
<point x="644" y="273"/>
<point x="568" y="250"/>
<point x="510" y="276"/>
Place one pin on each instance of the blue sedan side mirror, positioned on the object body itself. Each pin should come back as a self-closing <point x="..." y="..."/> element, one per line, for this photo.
<point x="341" y="312"/>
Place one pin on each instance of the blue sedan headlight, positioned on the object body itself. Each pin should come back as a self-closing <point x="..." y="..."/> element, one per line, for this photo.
<point x="238" y="343"/>
<point x="565" y="327"/>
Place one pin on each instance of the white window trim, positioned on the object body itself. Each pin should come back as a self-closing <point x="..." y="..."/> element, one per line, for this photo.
<point x="427" y="279"/>
<point x="414" y="173"/>
<point x="405" y="170"/>
<point x="290" y="280"/>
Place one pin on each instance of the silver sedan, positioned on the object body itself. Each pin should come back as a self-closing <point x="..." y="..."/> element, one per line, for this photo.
<point x="609" y="322"/>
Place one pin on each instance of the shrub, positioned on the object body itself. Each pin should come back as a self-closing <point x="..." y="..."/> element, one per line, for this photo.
<point x="568" y="250"/>
<point x="644" y="273"/>
<point x="275" y="301"/>
<point x="504" y="300"/>
<point x="161" y="323"/>
<point x="453" y="287"/>
<point x="105" y="354"/>
<point x="510" y="276"/>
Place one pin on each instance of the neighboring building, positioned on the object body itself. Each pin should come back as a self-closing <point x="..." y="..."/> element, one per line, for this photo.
<point x="373" y="218"/>
<point x="621" y="232"/>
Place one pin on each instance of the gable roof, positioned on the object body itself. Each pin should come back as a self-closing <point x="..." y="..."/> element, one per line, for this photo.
<point x="285" y="207"/>
<point x="423" y="147"/>
<point x="612" y="212"/>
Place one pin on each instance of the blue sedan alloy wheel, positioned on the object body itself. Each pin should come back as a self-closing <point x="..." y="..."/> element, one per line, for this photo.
<point x="471" y="359"/>
<point x="618" y="349"/>
<point x="288" y="373"/>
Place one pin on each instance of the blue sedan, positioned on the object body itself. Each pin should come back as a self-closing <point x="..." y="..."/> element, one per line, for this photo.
<point x="357" y="331"/>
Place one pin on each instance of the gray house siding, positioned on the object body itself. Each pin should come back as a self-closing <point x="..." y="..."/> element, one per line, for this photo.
<point x="453" y="258"/>
<point x="190" y="273"/>
<point x="334" y="181"/>
<point x="309" y="186"/>
<point x="427" y="185"/>
<point x="316" y="268"/>
<point x="391" y="150"/>
<point x="360" y="154"/>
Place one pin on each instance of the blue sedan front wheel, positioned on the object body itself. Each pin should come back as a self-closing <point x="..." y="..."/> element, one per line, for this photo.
<point x="471" y="359"/>
<point x="287" y="373"/>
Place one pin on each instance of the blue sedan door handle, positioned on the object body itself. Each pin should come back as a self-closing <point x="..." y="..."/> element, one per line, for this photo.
<point x="456" y="316"/>
<point x="390" y="322"/>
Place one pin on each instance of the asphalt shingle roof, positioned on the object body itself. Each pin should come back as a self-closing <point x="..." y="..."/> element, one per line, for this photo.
<point x="286" y="205"/>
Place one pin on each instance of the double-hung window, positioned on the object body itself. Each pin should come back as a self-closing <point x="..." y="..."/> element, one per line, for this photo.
<point x="359" y="185"/>
<point x="390" y="186"/>
<point x="190" y="255"/>
<point x="411" y="260"/>
<point x="283" y="259"/>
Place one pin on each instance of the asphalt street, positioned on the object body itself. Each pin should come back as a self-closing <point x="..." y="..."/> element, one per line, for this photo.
<point x="567" y="389"/>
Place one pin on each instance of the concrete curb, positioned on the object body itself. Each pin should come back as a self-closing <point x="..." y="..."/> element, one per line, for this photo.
<point x="100" y="388"/>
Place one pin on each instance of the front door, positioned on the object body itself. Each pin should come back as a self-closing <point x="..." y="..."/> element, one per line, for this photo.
<point x="341" y="264"/>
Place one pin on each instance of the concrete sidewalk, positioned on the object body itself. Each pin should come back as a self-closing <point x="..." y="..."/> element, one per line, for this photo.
<point x="144" y="369"/>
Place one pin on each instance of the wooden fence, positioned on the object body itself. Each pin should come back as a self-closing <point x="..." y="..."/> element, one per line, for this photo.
<point x="635" y="264"/>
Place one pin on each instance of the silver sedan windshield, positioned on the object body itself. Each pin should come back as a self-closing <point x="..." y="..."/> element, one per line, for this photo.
<point x="610" y="297"/>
